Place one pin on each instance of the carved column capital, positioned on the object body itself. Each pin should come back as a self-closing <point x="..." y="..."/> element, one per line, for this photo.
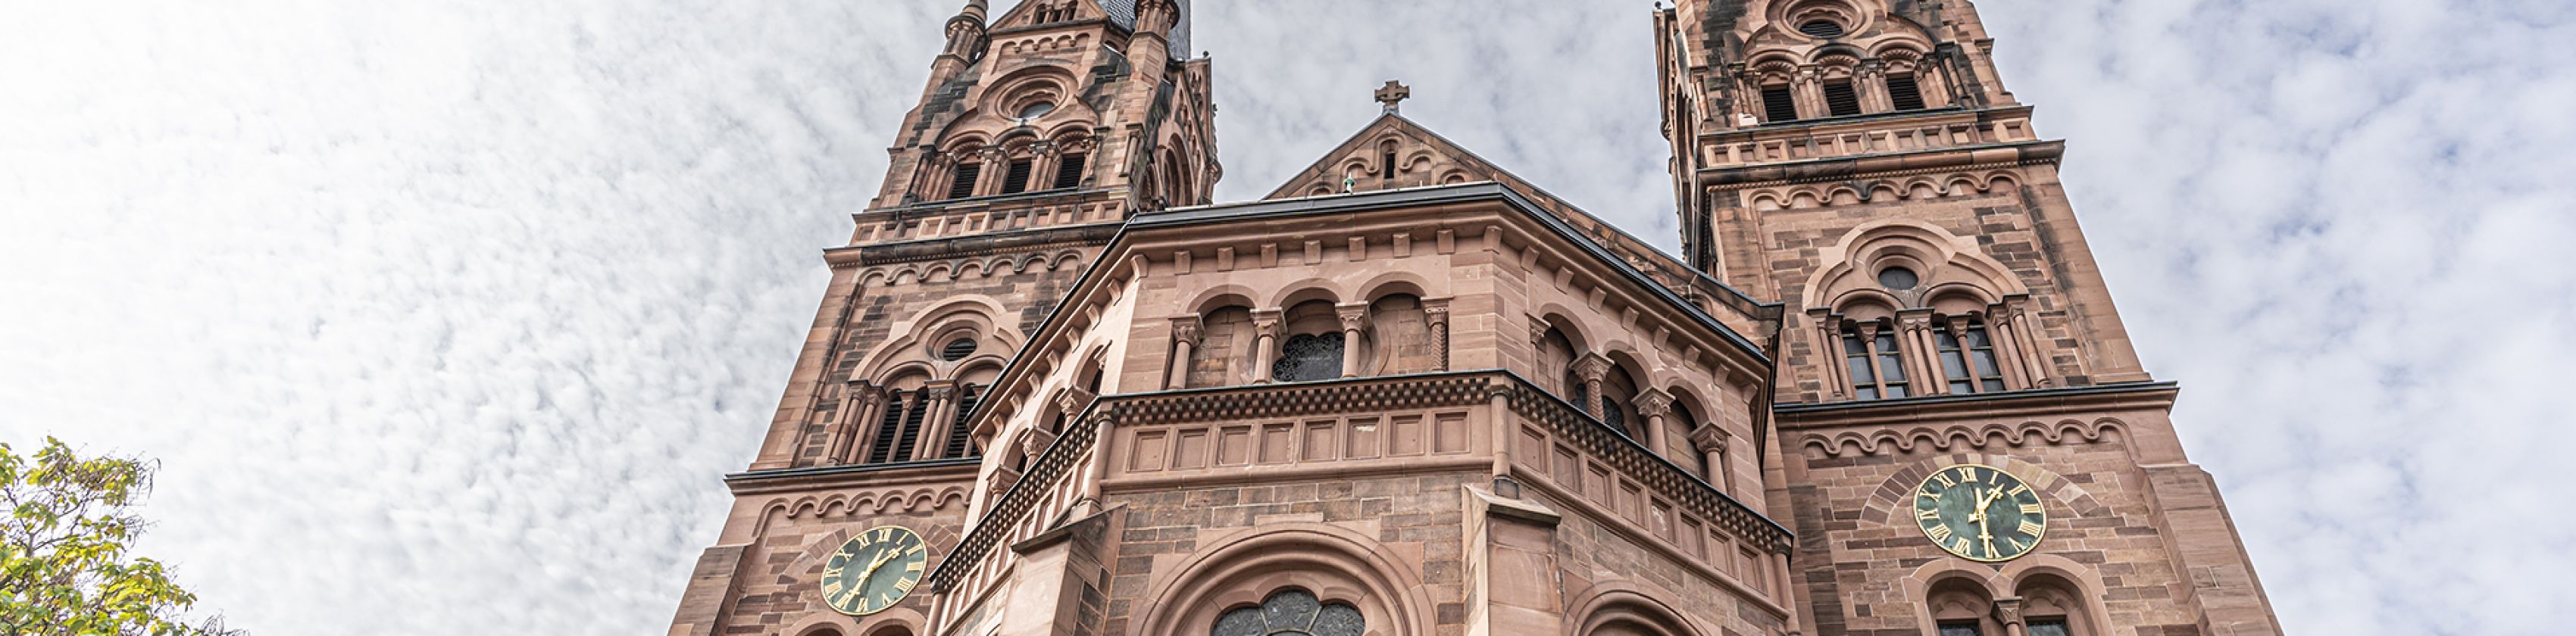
<point x="1265" y="323"/>
<point x="1654" y="403"/>
<point x="2008" y="611"/>
<point x="1187" y="329"/>
<point x="1592" y="367"/>
<point x="1354" y="317"/>
<point x="1710" y="439"/>
<point x="1435" y="312"/>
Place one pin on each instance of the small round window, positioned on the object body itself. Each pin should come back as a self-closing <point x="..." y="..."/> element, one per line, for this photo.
<point x="1821" y="29"/>
<point x="1036" y="109"/>
<point x="957" y="349"/>
<point x="1898" y="278"/>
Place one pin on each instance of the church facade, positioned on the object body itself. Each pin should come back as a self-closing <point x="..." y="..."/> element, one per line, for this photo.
<point x="1055" y="389"/>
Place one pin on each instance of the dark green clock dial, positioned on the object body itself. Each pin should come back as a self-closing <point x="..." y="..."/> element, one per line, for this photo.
<point x="1980" y="513"/>
<point x="874" y="570"/>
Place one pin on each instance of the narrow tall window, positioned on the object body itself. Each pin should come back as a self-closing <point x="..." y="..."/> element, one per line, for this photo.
<point x="1017" y="180"/>
<point x="1386" y="168"/>
<point x="1069" y="175"/>
<point x="964" y="184"/>
<point x="1902" y="90"/>
<point x="1779" y="104"/>
<point x="1877" y="369"/>
<point x="904" y="443"/>
<point x="957" y="433"/>
<point x="1968" y="358"/>
<point x="888" y="428"/>
<point x="1842" y="99"/>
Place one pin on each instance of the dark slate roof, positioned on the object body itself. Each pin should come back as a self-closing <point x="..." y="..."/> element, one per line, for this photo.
<point x="1123" y="12"/>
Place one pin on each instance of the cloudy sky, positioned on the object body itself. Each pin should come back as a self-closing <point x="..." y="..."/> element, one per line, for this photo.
<point x="445" y="316"/>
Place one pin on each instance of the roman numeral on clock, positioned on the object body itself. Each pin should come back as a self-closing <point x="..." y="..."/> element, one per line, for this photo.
<point x="2031" y="529"/>
<point x="1938" y="533"/>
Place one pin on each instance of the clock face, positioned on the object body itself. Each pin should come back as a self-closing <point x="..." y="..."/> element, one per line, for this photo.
<point x="873" y="570"/>
<point x="1980" y="513"/>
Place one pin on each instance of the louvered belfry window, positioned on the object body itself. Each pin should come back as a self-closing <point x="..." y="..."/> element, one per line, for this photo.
<point x="1017" y="180"/>
<point x="1842" y="99"/>
<point x="964" y="184"/>
<point x="1902" y="90"/>
<point x="1779" y="104"/>
<point x="889" y="427"/>
<point x="957" y="349"/>
<point x="957" y="432"/>
<point x="1821" y="29"/>
<point x="1069" y="175"/>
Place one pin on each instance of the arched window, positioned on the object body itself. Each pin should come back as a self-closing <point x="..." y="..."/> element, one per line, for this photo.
<point x="1618" y="397"/>
<point x="1226" y="339"/>
<point x="900" y="430"/>
<point x="1068" y="173"/>
<point x="1687" y="421"/>
<point x="1779" y="104"/>
<point x="958" y="434"/>
<point x="1904" y="92"/>
<point x="1309" y="357"/>
<point x="2051" y="607"/>
<point x="962" y="185"/>
<point x="1968" y="358"/>
<point x="1311" y="347"/>
<point x="1877" y="366"/>
<point x="1291" y="612"/>
<point x="1556" y="351"/>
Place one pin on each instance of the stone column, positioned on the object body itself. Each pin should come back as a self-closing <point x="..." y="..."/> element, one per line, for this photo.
<point x="2001" y="335"/>
<point x="2026" y="330"/>
<point x="1185" y="338"/>
<point x="1266" y="345"/>
<point x="1591" y="368"/>
<point x="1652" y="405"/>
<point x="1914" y="339"/>
<point x="864" y="399"/>
<point x="1435" y="316"/>
<point x="1869" y="339"/>
<point x="1354" y="323"/>
<point x="934" y="423"/>
<point x="1829" y="351"/>
<point x="1711" y="442"/>
<point x="2008" y="612"/>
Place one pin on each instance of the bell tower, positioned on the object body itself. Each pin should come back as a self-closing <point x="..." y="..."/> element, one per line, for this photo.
<point x="1861" y="163"/>
<point x="1040" y="132"/>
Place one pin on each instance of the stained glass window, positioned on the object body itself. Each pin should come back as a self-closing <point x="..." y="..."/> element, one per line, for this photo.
<point x="2048" y="627"/>
<point x="1291" y="613"/>
<point x="1309" y="357"/>
<point x="1959" y="629"/>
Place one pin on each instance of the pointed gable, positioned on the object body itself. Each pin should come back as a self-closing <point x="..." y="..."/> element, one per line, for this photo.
<point x="1424" y="158"/>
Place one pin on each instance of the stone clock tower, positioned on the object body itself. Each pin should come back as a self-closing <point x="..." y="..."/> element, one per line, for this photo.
<point x="1054" y="389"/>
<point x="1860" y="163"/>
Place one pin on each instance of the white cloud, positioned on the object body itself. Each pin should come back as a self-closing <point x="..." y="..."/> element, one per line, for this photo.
<point x="445" y="316"/>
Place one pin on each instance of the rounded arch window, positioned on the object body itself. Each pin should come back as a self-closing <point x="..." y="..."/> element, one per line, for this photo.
<point x="1821" y="29"/>
<point x="958" y="349"/>
<point x="1899" y="278"/>
<point x="1291" y="613"/>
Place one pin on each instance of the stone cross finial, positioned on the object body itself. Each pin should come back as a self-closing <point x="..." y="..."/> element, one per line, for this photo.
<point x="1392" y="94"/>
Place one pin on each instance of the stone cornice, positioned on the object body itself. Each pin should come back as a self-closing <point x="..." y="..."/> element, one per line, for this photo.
<point x="2030" y="403"/>
<point x="970" y="246"/>
<point x="937" y="471"/>
<point x="1893" y="163"/>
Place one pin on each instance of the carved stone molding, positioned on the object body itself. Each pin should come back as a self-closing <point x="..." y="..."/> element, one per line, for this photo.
<point x="1710" y="439"/>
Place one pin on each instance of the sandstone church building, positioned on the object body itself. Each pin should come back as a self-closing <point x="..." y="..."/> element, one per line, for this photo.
<point x="1055" y="389"/>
